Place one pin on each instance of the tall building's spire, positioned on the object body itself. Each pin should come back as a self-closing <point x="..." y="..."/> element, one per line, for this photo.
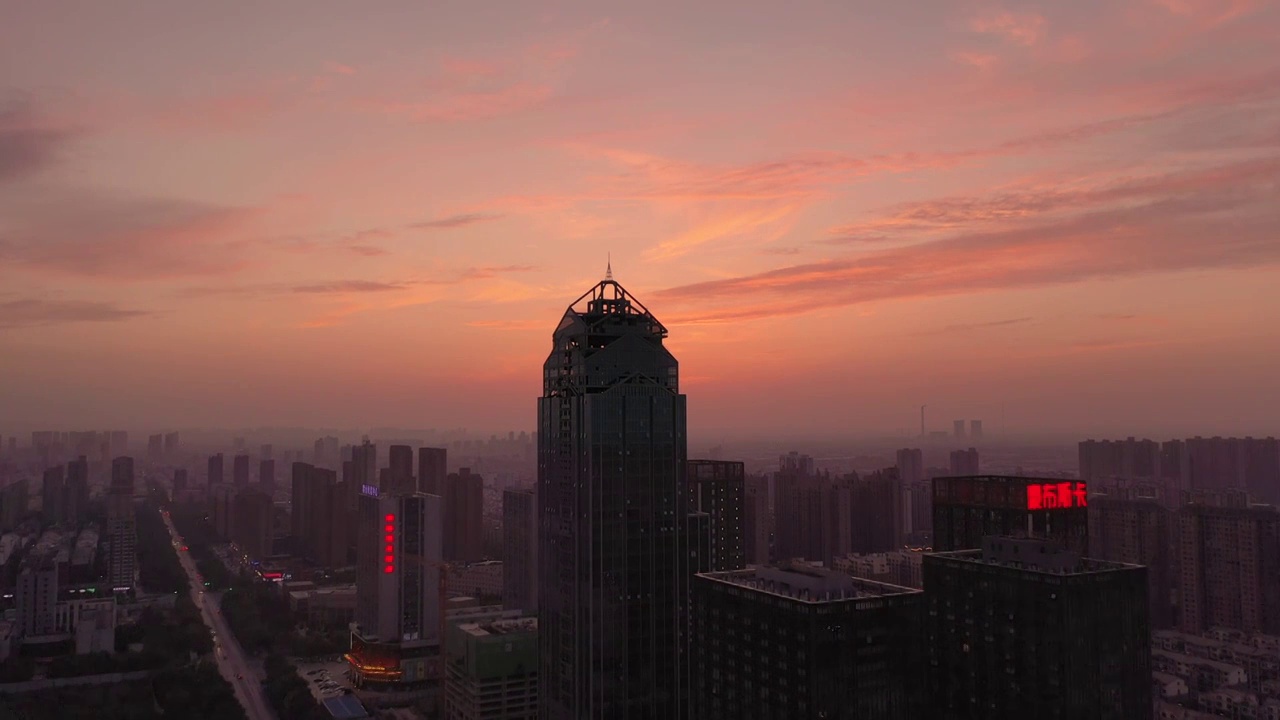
<point x="608" y="268"/>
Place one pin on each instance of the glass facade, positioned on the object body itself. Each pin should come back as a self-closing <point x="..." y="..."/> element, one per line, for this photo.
<point x="612" y="507"/>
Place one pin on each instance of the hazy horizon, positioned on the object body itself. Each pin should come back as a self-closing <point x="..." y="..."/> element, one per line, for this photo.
<point x="1061" y="219"/>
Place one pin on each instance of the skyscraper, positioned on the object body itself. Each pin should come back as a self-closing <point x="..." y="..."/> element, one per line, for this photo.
<point x="804" y="642"/>
<point x="975" y="429"/>
<point x="755" y="520"/>
<point x="401" y="469"/>
<point x="717" y="487"/>
<point x="171" y="444"/>
<point x="1024" y="628"/>
<point x="1230" y="568"/>
<point x="121" y="527"/>
<point x="464" y="516"/>
<point x="612" y="504"/>
<point x="432" y="470"/>
<point x="267" y="476"/>
<point x="252" y="525"/>
<point x="155" y="447"/>
<point x="53" y="495"/>
<point x="396" y="638"/>
<point x="240" y="471"/>
<point x="520" y="550"/>
<point x="967" y="509"/>
<point x="958" y="426"/>
<point x="77" y="503"/>
<point x="1128" y="528"/>
<point x="215" y="470"/>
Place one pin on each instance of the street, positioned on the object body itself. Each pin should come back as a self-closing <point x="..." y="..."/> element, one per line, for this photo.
<point x="232" y="661"/>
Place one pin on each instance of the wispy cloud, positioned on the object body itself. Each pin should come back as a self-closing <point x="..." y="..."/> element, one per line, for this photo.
<point x="346" y="287"/>
<point x="970" y="327"/>
<point x="454" y="221"/>
<point x="27" y="145"/>
<point x="1020" y="28"/>
<point x="31" y="312"/>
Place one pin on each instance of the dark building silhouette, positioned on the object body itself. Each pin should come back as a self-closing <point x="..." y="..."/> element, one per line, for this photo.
<point x="215" y="470"/>
<point x="1130" y="528"/>
<point x="121" y="526"/>
<point x="322" y="515"/>
<point x="267" y="476"/>
<point x="77" y="492"/>
<point x="1230" y="567"/>
<point x="240" y="471"/>
<point x="432" y="470"/>
<point x="464" y="516"/>
<point x="612" y="501"/>
<point x="965" y="462"/>
<point x="1024" y="628"/>
<point x="967" y="509"/>
<point x="876" y="504"/>
<point x="155" y="447"/>
<point x="400" y="476"/>
<point x="251" y="528"/>
<point x="520" y="550"/>
<point x="805" y="642"/>
<point x="179" y="481"/>
<point x="53" y="489"/>
<point x="717" y="488"/>
<point x="172" y="444"/>
<point x="755" y="520"/>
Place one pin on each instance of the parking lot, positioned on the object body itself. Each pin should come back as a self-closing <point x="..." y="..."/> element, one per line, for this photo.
<point x="326" y="680"/>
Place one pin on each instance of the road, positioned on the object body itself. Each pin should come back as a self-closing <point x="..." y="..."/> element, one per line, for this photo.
<point x="233" y="663"/>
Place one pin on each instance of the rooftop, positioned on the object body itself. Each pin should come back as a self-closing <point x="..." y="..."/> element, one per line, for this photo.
<point x="1032" y="555"/>
<point x="509" y="626"/>
<point x="807" y="583"/>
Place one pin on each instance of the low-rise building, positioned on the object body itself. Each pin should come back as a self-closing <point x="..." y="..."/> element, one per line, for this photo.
<point x="492" y="669"/>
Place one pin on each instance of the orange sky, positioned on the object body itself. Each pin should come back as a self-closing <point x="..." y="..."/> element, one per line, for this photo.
<point x="1058" y="217"/>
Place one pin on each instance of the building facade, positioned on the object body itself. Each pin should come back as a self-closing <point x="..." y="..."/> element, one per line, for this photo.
<point x="717" y="487"/>
<point x="612" y="502"/>
<point x="967" y="509"/>
<point x="520" y="550"/>
<point x="1229" y="575"/>
<point x="492" y="670"/>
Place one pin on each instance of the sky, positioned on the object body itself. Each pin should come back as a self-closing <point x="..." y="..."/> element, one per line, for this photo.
<point x="1056" y="217"/>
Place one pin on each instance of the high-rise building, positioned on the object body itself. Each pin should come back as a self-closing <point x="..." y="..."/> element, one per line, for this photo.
<point x="223" y="499"/>
<point x="36" y="599"/>
<point x="240" y="471"/>
<point x="612" y="445"/>
<point x="326" y="451"/>
<point x="755" y="520"/>
<point x="401" y="467"/>
<point x="804" y="642"/>
<point x="975" y="429"/>
<point x="155" y="447"/>
<point x="267" y="476"/>
<point x="251" y="529"/>
<point x="53" y="491"/>
<point x="321" y="515"/>
<point x="119" y="442"/>
<point x="364" y="467"/>
<point x="520" y="550"/>
<point x="266" y="452"/>
<point x="77" y="496"/>
<point x="876" y="506"/>
<point x="958" y="426"/>
<point x="432" y="470"/>
<point x="717" y="488"/>
<point x="1229" y="568"/>
<point x="464" y="516"/>
<point x="121" y="527"/>
<point x="1128" y="528"/>
<point x="964" y="462"/>
<point x="967" y="509"/>
<point x="492" y="669"/>
<point x="215" y="470"/>
<point x="13" y="504"/>
<point x="396" y="638"/>
<point x="179" y="481"/>
<point x="1024" y="628"/>
<point x="172" y="445"/>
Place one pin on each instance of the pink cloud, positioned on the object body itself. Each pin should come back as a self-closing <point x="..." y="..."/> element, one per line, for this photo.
<point x="1023" y="28"/>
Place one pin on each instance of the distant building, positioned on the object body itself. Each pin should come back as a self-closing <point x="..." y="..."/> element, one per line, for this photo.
<point x="967" y="509"/>
<point x="240" y="471"/>
<point x="479" y="580"/>
<point x="964" y="462"/>
<point x="172" y="445"/>
<point x="36" y="600"/>
<point x="1104" y="460"/>
<point x="215" y="470"/>
<point x="1128" y="528"/>
<point x="1024" y="628"/>
<point x="267" y="476"/>
<point x="121" y="526"/>
<point x="1230" y="568"/>
<point x="396" y="636"/>
<point x="755" y="520"/>
<point x="77" y="491"/>
<point x="179" y="481"/>
<point x="520" y="550"/>
<point x="155" y="447"/>
<point x="13" y="504"/>
<point x="432" y="470"/>
<point x="464" y="516"/>
<point x="321" y="517"/>
<point x="717" y="487"/>
<point x="492" y="671"/>
<point x="804" y="642"/>
<point x="959" y="429"/>
<point x="252" y="529"/>
<point x="400" y="475"/>
<point x="53" y="490"/>
<point x="975" y="429"/>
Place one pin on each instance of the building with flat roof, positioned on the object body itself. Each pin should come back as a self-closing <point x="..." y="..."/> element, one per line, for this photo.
<point x="1024" y="628"/>
<point x="968" y="509"/>
<point x="800" y="641"/>
<point x="492" y="669"/>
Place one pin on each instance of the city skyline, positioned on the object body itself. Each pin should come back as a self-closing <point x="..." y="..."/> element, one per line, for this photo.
<point x="1054" y="219"/>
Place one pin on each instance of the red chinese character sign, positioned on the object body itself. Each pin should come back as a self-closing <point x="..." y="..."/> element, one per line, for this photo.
<point x="1053" y="496"/>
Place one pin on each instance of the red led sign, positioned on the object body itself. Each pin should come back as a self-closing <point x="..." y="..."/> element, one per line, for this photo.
<point x="390" y="558"/>
<point x="1052" y="496"/>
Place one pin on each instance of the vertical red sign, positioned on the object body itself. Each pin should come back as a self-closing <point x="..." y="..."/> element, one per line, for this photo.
<point x="389" y="547"/>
